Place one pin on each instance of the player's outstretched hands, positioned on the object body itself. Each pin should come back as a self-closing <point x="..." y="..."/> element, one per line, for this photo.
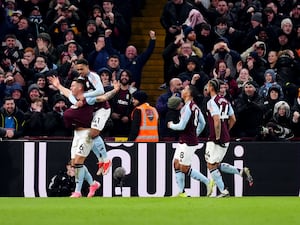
<point x="54" y="80"/>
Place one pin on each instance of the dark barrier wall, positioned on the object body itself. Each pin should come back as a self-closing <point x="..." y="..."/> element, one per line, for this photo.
<point x="27" y="167"/>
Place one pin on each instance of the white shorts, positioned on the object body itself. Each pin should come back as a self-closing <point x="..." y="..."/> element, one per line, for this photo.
<point x="215" y="153"/>
<point x="100" y="118"/>
<point x="81" y="144"/>
<point x="184" y="153"/>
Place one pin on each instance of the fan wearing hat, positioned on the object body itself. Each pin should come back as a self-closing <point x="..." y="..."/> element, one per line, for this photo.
<point x="105" y="76"/>
<point x="45" y="47"/>
<point x="245" y="105"/>
<point x="144" y="119"/>
<point x="54" y="124"/>
<point x="270" y="80"/>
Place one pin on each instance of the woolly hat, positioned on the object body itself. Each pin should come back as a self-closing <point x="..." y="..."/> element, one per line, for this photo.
<point x="44" y="36"/>
<point x="254" y="55"/>
<point x="141" y="96"/>
<point x="16" y="86"/>
<point x="32" y="87"/>
<point x="272" y="73"/>
<point x="252" y="83"/>
<point x="174" y="102"/>
<point x="57" y="98"/>
<point x="257" y="17"/>
<point x="104" y="69"/>
<point x="91" y="22"/>
<point x="187" y="30"/>
<point x="274" y="87"/>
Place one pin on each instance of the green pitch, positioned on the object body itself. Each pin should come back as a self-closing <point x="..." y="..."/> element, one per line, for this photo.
<point x="153" y="211"/>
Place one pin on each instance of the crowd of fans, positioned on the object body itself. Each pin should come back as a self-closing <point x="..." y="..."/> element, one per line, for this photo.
<point x="251" y="46"/>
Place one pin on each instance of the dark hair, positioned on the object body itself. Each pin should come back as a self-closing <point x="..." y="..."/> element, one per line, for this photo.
<point x="193" y="90"/>
<point x="10" y="36"/>
<point x="82" y="81"/>
<point x="8" y="98"/>
<point x="82" y="61"/>
<point x="114" y="56"/>
<point x="128" y="73"/>
<point x="215" y="83"/>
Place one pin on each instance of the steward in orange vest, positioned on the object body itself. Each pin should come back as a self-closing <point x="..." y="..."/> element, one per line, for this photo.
<point x="144" y="120"/>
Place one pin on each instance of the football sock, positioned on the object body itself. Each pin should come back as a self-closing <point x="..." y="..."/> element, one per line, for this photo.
<point x="198" y="176"/>
<point x="217" y="177"/>
<point x="180" y="180"/>
<point x="87" y="176"/>
<point x="79" y="177"/>
<point x="227" y="168"/>
<point x="99" y="148"/>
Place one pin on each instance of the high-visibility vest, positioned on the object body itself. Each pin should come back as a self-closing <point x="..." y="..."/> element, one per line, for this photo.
<point x="148" y="125"/>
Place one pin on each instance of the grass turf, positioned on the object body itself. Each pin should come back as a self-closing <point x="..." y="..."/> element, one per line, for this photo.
<point x="156" y="211"/>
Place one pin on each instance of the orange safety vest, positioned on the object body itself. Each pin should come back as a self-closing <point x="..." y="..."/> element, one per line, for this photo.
<point x="148" y="125"/>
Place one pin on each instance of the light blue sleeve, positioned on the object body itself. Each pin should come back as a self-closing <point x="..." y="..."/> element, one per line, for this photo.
<point x="72" y="99"/>
<point x="184" y="119"/>
<point x="201" y="123"/>
<point x="95" y="80"/>
<point x="91" y="100"/>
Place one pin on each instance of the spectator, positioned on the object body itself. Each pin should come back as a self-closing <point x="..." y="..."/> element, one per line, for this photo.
<point x="113" y="64"/>
<point x="193" y="73"/>
<point x="288" y="68"/>
<point x="35" y="119"/>
<point x="174" y="89"/>
<point x="279" y="127"/>
<point x="270" y="80"/>
<point x="269" y="102"/>
<point x="256" y="67"/>
<point x="57" y="30"/>
<point x="24" y="33"/>
<point x="122" y="106"/>
<point x="135" y="62"/>
<point x="272" y="59"/>
<point x="88" y="38"/>
<point x="221" y="50"/>
<point x="271" y="20"/>
<point x="222" y="72"/>
<point x="194" y="18"/>
<point x="180" y="59"/>
<point x="243" y="78"/>
<point x="105" y="77"/>
<point x="115" y="21"/>
<point x="174" y="14"/>
<point x="63" y="183"/>
<point x="205" y="37"/>
<point x="12" y="119"/>
<point x="37" y="24"/>
<point x="144" y="119"/>
<point x="98" y="57"/>
<point x="10" y="52"/>
<point x="69" y="37"/>
<point x="248" y="109"/>
<point x="54" y="122"/>
<point x="17" y="95"/>
<point x="45" y="48"/>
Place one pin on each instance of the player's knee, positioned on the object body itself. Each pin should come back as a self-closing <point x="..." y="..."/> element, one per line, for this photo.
<point x="185" y="169"/>
<point x="94" y="133"/>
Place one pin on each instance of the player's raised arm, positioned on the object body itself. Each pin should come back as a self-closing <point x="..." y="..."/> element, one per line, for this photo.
<point x="56" y="83"/>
